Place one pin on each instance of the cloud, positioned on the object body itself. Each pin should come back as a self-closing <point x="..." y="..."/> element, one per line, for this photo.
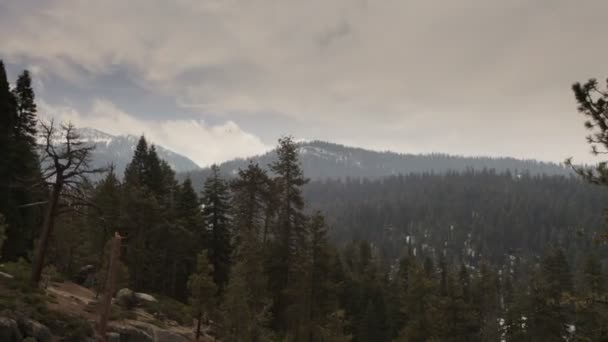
<point x="354" y="64"/>
<point x="203" y="143"/>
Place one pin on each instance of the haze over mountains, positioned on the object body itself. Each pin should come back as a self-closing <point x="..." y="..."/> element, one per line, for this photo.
<point x="320" y="160"/>
<point x="324" y="160"/>
<point x="118" y="150"/>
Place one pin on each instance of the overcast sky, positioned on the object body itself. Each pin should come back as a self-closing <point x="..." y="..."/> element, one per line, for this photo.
<point x="216" y="79"/>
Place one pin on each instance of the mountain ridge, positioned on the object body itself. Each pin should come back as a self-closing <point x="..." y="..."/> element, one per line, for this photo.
<point x="118" y="150"/>
<point x="325" y="160"/>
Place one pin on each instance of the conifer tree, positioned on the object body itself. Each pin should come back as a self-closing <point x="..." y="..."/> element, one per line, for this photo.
<point x="186" y="237"/>
<point x="202" y="290"/>
<point x="25" y="126"/>
<point x="136" y="169"/>
<point x="591" y="311"/>
<point x="420" y="302"/>
<point x="290" y="233"/>
<point x="548" y="313"/>
<point x="20" y="169"/>
<point x="216" y="207"/>
<point x="246" y="301"/>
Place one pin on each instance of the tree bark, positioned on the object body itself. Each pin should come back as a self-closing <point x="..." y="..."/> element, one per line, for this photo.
<point x="198" y="324"/>
<point x="106" y="302"/>
<point x="47" y="230"/>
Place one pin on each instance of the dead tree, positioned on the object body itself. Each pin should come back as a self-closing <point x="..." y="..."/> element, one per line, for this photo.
<point x="104" y="312"/>
<point x="65" y="165"/>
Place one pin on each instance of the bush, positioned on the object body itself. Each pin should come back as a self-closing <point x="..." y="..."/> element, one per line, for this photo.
<point x="169" y="308"/>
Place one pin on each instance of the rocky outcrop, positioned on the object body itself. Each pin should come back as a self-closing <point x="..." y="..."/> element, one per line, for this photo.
<point x="144" y="297"/>
<point x="9" y="330"/>
<point x="134" y="331"/>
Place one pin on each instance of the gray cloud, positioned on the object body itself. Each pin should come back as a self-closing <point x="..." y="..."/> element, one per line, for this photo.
<point x="468" y="76"/>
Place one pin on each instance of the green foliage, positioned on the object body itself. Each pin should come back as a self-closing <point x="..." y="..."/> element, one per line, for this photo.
<point x="201" y="286"/>
<point x="215" y="198"/>
<point x="169" y="308"/>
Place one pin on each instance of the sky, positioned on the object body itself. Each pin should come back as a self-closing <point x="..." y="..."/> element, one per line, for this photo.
<point x="218" y="79"/>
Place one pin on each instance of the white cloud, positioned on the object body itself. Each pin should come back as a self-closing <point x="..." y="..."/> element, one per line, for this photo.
<point x="203" y="143"/>
<point x="360" y="64"/>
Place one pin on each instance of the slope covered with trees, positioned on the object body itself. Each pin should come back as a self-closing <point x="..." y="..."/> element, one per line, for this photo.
<point x="268" y="255"/>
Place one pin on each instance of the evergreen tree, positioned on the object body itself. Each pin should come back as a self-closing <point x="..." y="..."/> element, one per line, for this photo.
<point x="26" y="121"/>
<point x="591" y="311"/>
<point x="202" y="290"/>
<point x="420" y="301"/>
<point x="548" y="313"/>
<point x="20" y="170"/>
<point x="136" y="169"/>
<point x="290" y="234"/>
<point x="216" y="207"/>
<point x="186" y="237"/>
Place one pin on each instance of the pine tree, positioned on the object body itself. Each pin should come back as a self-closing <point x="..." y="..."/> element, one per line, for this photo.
<point x="591" y="312"/>
<point x="216" y="207"/>
<point x="20" y="169"/>
<point x="420" y="302"/>
<point x="106" y="199"/>
<point x="136" y="170"/>
<point x="290" y="234"/>
<point x="7" y="122"/>
<point x="246" y="301"/>
<point x="549" y="315"/>
<point x="487" y="299"/>
<point x="25" y="126"/>
<point x="186" y="237"/>
<point x="324" y="287"/>
<point x="202" y="290"/>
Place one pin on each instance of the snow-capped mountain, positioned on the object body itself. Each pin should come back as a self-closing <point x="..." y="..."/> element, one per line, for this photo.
<point x="322" y="160"/>
<point x="118" y="150"/>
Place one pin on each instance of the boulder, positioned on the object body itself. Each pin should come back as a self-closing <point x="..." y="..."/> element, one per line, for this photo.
<point x="145" y="297"/>
<point x="126" y="298"/>
<point x="31" y="328"/>
<point x="9" y="330"/>
<point x="6" y="275"/>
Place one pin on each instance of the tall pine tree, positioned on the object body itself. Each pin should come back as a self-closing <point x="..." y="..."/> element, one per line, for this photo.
<point x="216" y="208"/>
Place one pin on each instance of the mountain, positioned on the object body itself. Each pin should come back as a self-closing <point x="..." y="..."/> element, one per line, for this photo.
<point x="324" y="160"/>
<point x="118" y="149"/>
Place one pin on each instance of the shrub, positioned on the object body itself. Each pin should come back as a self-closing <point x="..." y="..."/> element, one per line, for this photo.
<point x="169" y="308"/>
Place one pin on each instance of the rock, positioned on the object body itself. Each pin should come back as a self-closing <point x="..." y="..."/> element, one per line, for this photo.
<point x="128" y="333"/>
<point x="9" y="330"/>
<point x="6" y="275"/>
<point x="126" y="298"/>
<point x="145" y="297"/>
<point x="36" y="330"/>
<point x="83" y="273"/>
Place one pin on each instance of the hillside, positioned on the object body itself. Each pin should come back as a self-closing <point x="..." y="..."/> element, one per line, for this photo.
<point x="324" y="160"/>
<point x="118" y="150"/>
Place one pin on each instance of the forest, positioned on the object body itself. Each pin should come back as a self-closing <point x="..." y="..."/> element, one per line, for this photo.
<point x="268" y="255"/>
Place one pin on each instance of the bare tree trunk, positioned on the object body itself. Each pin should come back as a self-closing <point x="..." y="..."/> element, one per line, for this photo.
<point x="109" y="290"/>
<point x="198" y="324"/>
<point x="47" y="230"/>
